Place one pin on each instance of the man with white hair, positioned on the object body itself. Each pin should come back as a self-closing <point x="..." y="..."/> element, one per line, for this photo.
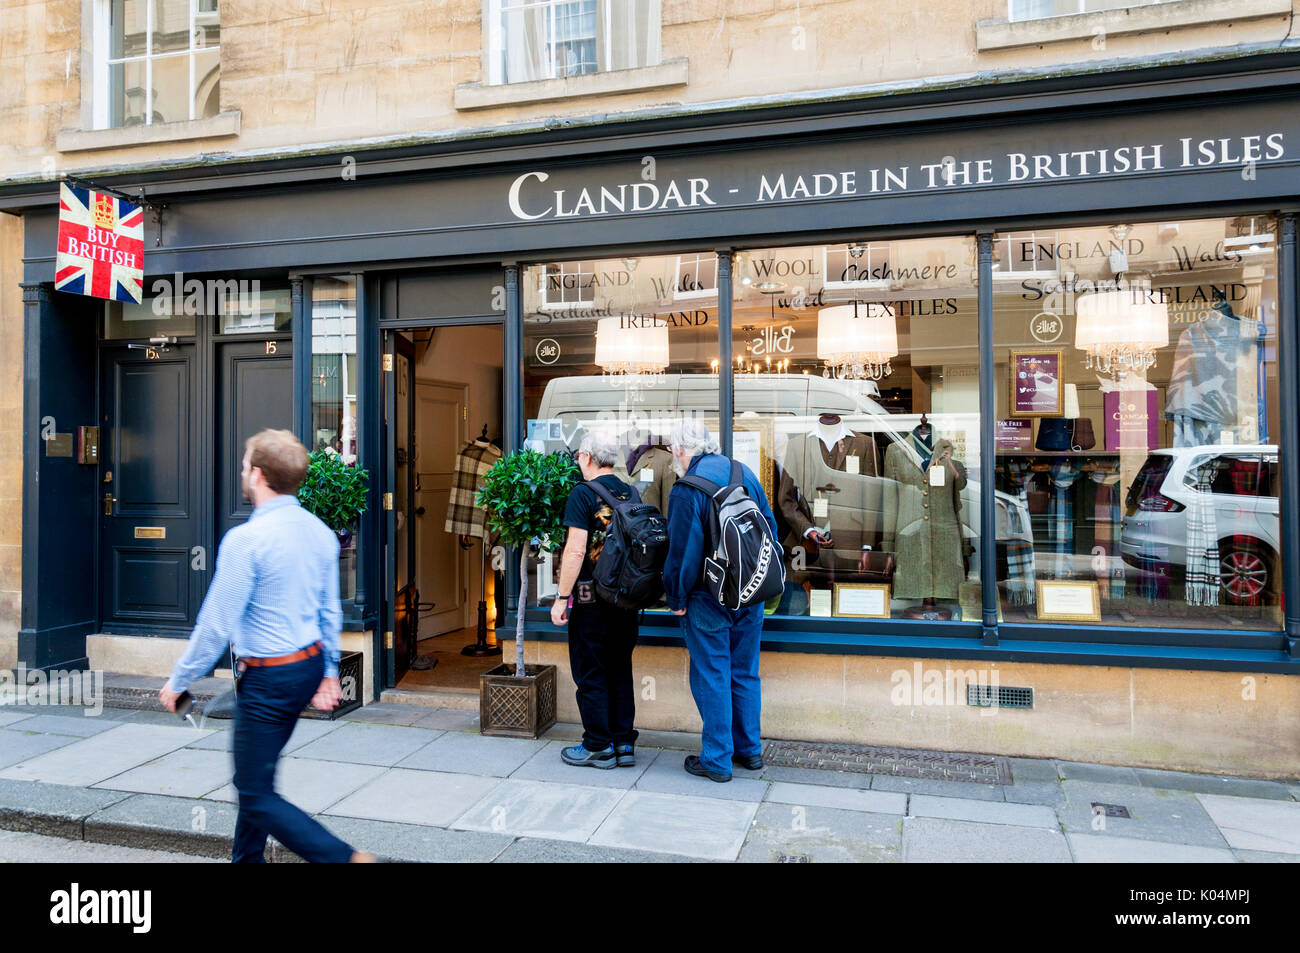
<point x="723" y="643"/>
<point x="601" y="635"/>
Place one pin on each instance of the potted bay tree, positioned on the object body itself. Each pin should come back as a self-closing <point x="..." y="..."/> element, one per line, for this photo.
<point x="335" y="493"/>
<point x="524" y="495"/>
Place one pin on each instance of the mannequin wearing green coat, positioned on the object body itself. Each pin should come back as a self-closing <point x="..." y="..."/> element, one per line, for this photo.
<point x="923" y="522"/>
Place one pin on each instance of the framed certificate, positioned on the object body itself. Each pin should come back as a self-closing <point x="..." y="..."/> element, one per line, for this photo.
<point x="1037" y="383"/>
<point x="752" y="440"/>
<point x="862" y="600"/>
<point x="1069" y="602"/>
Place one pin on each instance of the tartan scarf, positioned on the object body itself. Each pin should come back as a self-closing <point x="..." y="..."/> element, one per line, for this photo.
<point x="1202" y="588"/>
<point x="1061" y="516"/>
<point x="1245" y="482"/>
<point x="1107" y="520"/>
<point x="1020" y="552"/>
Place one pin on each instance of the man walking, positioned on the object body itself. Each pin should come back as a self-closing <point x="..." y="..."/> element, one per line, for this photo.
<point x="723" y="643"/>
<point x="276" y="596"/>
<point x="601" y="635"/>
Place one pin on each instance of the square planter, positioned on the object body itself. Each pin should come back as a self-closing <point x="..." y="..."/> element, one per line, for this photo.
<point x="350" y="669"/>
<point x="517" y="707"/>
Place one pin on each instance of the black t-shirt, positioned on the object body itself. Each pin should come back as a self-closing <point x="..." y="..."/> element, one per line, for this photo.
<point x="586" y="510"/>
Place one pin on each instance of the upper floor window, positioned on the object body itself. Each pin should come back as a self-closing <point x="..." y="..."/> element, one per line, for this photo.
<point x="550" y="39"/>
<point x="156" y="61"/>
<point x="1037" y="9"/>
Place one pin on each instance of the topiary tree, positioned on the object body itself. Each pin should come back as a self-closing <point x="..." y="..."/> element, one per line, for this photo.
<point x="333" y="491"/>
<point x="524" y="494"/>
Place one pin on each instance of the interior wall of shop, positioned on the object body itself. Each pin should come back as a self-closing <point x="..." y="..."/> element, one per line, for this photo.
<point x="1210" y="722"/>
<point x="469" y="355"/>
<point x="11" y="436"/>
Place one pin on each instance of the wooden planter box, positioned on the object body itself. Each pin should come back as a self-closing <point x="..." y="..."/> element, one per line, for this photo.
<point x="517" y="707"/>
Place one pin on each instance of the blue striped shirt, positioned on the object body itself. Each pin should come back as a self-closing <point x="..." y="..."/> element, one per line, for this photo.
<point x="276" y="591"/>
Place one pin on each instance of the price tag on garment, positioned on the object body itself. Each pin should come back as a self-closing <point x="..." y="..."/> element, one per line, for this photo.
<point x="1227" y="437"/>
<point x="937" y="475"/>
<point x="852" y="464"/>
<point x="647" y="475"/>
<point x="821" y="508"/>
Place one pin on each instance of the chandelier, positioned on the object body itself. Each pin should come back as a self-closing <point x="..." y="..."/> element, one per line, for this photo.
<point x="631" y="356"/>
<point x="1120" y="330"/>
<point x="857" y="345"/>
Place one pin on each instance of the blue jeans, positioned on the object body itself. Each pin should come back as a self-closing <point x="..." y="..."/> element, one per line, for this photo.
<point x="723" y="645"/>
<point x="269" y="701"/>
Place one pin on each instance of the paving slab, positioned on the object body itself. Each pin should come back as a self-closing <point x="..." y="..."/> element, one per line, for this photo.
<point x="9" y="717"/>
<point x="706" y="827"/>
<point x="383" y="714"/>
<point x="666" y="775"/>
<point x="305" y="731"/>
<point x="985" y="812"/>
<point x="1265" y="857"/>
<point x="149" y="716"/>
<point x="55" y="809"/>
<point x="408" y="796"/>
<point x="784" y="833"/>
<point x="546" y="765"/>
<point x="1033" y="769"/>
<point x="17" y="746"/>
<point x="108" y="753"/>
<point x="76" y="725"/>
<point x="463" y="753"/>
<point x="312" y="784"/>
<point x="413" y="843"/>
<point x="845" y="799"/>
<point x="538" y="809"/>
<point x="939" y="840"/>
<point x="22" y="848"/>
<point x="677" y="740"/>
<point x="1097" y="773"/>
<point x="151" y="821"/>
<point x="536" y="850"/>
<point x="1175" y="817"/>
<point x="1047" y="793"/>
<point x="984" y="792"/>
<point x="450" y="719"/>
<point x="360" y="743"/>
<point x="563" y="731"/>
<point x="1213" y="784"/>
<point x="838" y="779"/>
<point x="1251" y="824"/>
<point x="188" y="772"/>
<point x="1112" y="849"/>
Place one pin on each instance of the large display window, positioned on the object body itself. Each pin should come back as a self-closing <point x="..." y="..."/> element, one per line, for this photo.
<point x="1137" y="419"/>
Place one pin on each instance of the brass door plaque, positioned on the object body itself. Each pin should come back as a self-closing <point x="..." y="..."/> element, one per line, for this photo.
<point x="58" y="445"/>
<point x="151" y="532"/>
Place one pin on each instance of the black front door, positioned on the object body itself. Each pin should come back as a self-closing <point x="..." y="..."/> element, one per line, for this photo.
<point x="254" y="392"/>
<point x="150" y="514"/>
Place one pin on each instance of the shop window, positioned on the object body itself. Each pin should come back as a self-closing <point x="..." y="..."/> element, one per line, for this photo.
<point x="153" y="317"/>
<point x="697" y="276"/>
<point x="1137" y="412"/>
<point x="629" y="360"/>
<point x="569" y="283"/>
<point x="857" y="403"/>
<point x="155" y="61"/>
<point x="334" y="386"/>
<point x="1036" y="9"/>
<point x="257" y="309"/>
<point x="550" y="39"/>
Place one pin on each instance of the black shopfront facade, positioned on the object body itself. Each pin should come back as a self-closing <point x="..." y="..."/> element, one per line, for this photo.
<point x="958" y="198"/>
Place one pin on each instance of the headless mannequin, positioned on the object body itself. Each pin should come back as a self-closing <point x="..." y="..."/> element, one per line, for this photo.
<point x="929" y="607"/>
<point x="828" y="430"/>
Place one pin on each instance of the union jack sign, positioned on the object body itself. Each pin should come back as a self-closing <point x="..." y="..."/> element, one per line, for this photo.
<point x="101" y="245"/>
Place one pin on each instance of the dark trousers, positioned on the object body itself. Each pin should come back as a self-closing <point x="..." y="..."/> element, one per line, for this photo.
<point x="601" y="639"/>
<point x="269" y="702"/>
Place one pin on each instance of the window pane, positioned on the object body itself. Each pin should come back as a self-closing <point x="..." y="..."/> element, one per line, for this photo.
<point x="171" y="89"/>
<point x="334" y="386"/>
<point x="207" y="83"/>
<point x="171" y="25"/>
<point x="207" y="24"/>
<point x="254" y="309"/>
<point x="126" y="83"/>
<point x="1137" y="415"/>
<point x="128" y="28"/>
<point x="150" y="318"/>
<point x="619" y="354"/>
<point x="857" y="394"/>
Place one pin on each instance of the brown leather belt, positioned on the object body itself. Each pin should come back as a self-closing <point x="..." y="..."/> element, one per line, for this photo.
<point x="310" y="651"/>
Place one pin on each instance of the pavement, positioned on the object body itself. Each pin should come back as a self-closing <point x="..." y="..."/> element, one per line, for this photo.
<point x="420" y="784"/>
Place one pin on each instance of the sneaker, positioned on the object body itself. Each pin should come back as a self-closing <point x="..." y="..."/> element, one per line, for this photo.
<point x="753" y="762"/>
<point x="578" y="756"/>
<point x="695" y="766"/>
<point x="625" y="756"/>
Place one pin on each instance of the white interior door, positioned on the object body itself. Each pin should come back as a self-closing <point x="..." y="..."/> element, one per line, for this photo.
<point x="442" y="567"/>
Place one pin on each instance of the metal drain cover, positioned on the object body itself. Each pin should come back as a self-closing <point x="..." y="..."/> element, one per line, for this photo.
<point x="899" y="762"/>
<point x="1110" y="810"/>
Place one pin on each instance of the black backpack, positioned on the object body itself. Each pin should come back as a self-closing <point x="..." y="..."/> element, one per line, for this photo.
<point x="630" y="571"/>
<point x="747" y="566"/>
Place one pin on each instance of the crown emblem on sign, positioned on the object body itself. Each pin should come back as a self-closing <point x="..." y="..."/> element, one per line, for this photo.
<point x="105" y="212"/>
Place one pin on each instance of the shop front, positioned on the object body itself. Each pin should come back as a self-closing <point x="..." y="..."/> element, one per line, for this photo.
<point x="1017" y="370"/>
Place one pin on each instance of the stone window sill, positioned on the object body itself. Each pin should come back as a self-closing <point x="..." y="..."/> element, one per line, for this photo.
<point x="1005" y="34"/>
<point x="80" y="140"/>
<point x="614" y="82"/>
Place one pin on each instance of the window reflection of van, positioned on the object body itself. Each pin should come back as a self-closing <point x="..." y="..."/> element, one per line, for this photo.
<point x="793" y="403"/>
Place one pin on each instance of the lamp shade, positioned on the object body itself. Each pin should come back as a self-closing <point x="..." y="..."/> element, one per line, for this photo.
<point x="867" y="330"/>
<point x="1107" y="320"/>
<point x="621" y="347"/>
